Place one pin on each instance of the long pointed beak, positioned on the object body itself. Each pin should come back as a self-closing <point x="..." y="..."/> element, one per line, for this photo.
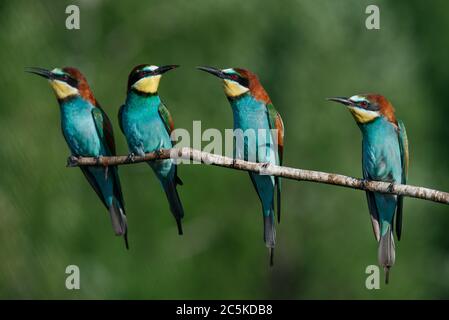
<point x="216" y="72"/>
<point x="40" y="72"/>
<point x="341" y="100"/>
<point x="164" y="69"/>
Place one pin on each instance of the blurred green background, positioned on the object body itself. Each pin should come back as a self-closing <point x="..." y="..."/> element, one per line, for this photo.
<point x="303" y="51"/>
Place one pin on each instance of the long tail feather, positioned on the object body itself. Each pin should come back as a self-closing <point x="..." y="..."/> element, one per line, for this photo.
<point x="125" y="237"/>
<point x="271" y="256"/>
<point x="399" y="217"/>
<point x="118" y="220"/>
<point x="179" y="225"/>
<point x="175" y="204"/>
<point x="386" y="253"/>
<point x="269" y="235"/>
<point x="387" y="275"/>
<point x="278" y="198"/>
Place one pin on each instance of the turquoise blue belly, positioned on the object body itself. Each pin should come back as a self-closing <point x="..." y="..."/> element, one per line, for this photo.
<point x="146" y="132"/>
<point x="250" y="116"/>
<point x="79" y="128"/>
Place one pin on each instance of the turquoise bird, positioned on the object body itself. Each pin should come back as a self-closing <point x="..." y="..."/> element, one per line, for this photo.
<point x="263" y="138"/>
<point x="384" y="158"/>
<point x="88" y="133"/>
<point x="147" y="126"/>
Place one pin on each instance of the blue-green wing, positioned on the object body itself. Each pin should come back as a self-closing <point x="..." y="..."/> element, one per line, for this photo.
<point x="104" y="129"/>
<point x="374" y="213"/>
<point x="275" y="121"/>
<point x="120" y="115"/>
<point x="91" y="179"/>
<point x="106" y="134"/>
<point x="166" y="118"/>
<point x="403" y="145"/>
<point x="169" y="126"/>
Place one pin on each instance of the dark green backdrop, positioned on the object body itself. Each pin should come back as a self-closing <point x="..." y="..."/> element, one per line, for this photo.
<point x="303" y="52"/>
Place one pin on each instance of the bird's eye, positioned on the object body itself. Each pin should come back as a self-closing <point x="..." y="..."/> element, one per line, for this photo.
<point x="64" y="77"/>
<point x="363" y="104"/>
<point x="234" y="77"/>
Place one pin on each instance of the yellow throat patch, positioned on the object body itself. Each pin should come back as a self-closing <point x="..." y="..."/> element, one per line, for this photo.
<point x="363" y="116"/>
<point x="233" y="89"/>
<point x="148" y="84"/>
<point x="62" y="89"/>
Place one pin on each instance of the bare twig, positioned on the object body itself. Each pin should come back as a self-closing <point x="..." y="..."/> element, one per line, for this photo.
<point x="273" y="170"/>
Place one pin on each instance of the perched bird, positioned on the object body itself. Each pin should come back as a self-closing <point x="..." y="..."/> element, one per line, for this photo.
<point x="384" y="158"/>
<point x="88" y="133"/>
<point x="147" y="126"/>
<point x="252" y="110"/>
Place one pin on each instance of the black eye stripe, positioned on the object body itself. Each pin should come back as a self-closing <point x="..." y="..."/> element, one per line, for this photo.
<point x="369" y="106"/>
<point x="244" y="82"/>
<point x="239" y="79"/>
<point x="136" y="76"/>
<point x="67" y="79"/>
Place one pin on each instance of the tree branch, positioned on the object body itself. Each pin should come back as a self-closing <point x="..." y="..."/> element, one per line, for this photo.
<point x="267" y="169"/>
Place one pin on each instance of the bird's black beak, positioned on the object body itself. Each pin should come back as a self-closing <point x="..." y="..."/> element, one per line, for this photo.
<point x="40" y="72"/>
<point x="164" y="69"/>
<point x="342" y="100"/>
<point x="216" y="72"/>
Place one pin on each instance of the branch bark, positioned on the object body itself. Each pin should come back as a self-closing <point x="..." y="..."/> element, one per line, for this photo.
<point x="268" y="169"/>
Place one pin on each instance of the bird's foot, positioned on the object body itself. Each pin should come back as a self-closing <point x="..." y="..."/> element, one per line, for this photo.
<point x="131" y="157"/>
<point x="72" y="161"/>
<point x="363" y="183"/>
<point x="159" y="153"/>
<point x="263" y="168"/>
<point x="98" y="160"/>
<point x="265" y="164"/>
<point x="390" y="188"/>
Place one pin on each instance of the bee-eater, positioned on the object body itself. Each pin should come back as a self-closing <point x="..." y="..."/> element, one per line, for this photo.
<point x="147" y="126"/>
<point x="253" y="110"/>
<point x="88" y="133"/>
<point x="384" y="158"/>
